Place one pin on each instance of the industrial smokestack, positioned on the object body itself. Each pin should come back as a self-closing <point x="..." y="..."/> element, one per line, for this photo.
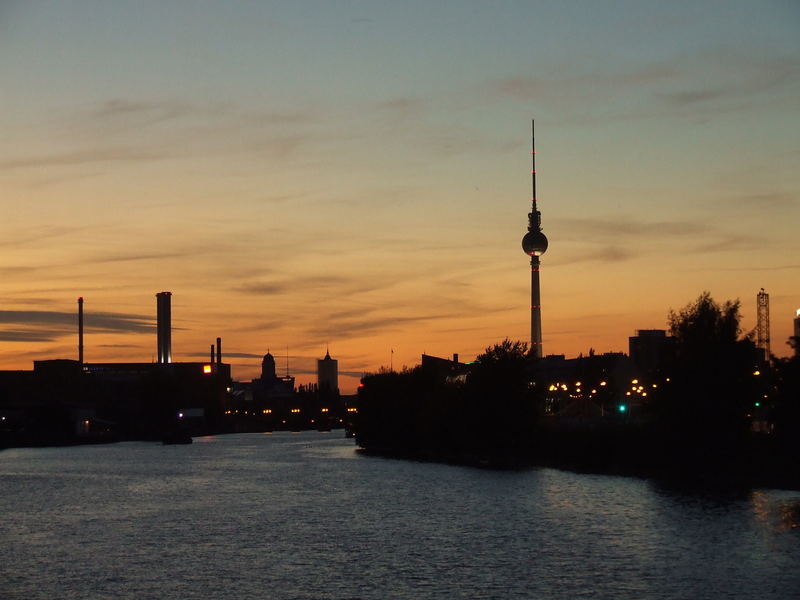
<point x="219" y="351"/>
<point x="212" y="354"/>
<point x="164" y="326"/>
<point x="80" y="330"/>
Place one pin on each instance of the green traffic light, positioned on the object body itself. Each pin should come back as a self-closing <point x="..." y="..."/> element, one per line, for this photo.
<point x="622" y="408"/>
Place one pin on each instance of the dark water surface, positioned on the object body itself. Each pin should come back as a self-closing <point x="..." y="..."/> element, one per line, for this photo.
<point x="306" y="516"/>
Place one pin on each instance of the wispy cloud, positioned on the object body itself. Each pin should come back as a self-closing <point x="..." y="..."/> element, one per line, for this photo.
<point x="36" y="235"/>
<point x="82" y="157"/>
<point x="760" y="201"/>
<point x="605" y="254"/>
<point x="738" y="243"/>
<point x="353" y="327"/>
<point x="28" y="336"/>
<point x="58" y="322"/>
<point x="622" y="227"/>
<point x="144" y="112"/>
<point x="721" y="80"/>
<point x="761" y="268"/>
<point x="137" y="256"/>
<point x="227" y="355"/>
<point x="328" y="284"/>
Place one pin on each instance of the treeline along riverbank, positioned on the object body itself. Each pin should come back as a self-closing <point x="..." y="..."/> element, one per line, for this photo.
<point x="718" y="413"/>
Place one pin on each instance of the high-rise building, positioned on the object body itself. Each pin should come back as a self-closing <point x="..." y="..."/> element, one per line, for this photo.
<point x="797" y="332"/>
<point x="328" y="374"/>
<point x="268" y="367"/>
<point x="651" y="351"/>
<point x="534" y="244"/>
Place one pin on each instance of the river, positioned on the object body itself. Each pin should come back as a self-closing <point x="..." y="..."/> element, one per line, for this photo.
<point x="306" y="516"/>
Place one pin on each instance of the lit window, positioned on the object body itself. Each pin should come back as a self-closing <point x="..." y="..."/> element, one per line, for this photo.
<point x="206" y="369"/>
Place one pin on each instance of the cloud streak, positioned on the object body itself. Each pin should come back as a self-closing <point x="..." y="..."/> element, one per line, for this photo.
<point x="67" y="321"/>
<point x="82" y="157"/>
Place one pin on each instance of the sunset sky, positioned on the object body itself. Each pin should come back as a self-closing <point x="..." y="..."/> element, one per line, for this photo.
<point x="357" y="174"/>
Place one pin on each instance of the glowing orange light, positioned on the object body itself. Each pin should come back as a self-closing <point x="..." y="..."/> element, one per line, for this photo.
<point x="206" y="369"/>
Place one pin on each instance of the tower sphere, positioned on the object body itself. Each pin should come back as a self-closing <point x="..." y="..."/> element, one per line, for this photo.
<point x="534" y="243"/>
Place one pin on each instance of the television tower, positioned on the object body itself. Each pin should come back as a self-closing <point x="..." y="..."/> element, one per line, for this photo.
<point x="534" y="244"/>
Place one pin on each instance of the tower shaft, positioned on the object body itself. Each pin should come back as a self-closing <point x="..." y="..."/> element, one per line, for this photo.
<point x="536" y="309"/>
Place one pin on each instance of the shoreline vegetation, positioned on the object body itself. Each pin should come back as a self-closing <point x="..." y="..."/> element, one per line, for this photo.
<point x="722" y="415"/>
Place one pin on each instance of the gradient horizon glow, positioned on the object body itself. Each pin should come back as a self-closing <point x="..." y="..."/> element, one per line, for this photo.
<point x="356" y="174"/>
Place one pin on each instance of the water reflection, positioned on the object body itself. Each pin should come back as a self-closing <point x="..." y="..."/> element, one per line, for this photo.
<point x="779" y="514"/>
<point x="306" y="516"/>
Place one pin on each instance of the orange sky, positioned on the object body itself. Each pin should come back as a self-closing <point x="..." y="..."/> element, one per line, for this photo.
<point x="358" y="176"/>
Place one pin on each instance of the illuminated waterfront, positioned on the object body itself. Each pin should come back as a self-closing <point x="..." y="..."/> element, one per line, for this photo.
<point x="306" y="516"/>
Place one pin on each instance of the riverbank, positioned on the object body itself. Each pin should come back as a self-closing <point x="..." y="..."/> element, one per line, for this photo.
<point x="761" y="461"/>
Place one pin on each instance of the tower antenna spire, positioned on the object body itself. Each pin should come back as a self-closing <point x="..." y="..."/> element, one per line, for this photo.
<point x="534" y="244"/>
<point x="533" y="170"/>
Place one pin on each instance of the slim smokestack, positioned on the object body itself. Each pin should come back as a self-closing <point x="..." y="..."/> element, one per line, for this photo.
<point x="164" y="326"/>
<point x="80" y="330"/>
<point x="219" y="351"/>
<point x="212" y="354"/>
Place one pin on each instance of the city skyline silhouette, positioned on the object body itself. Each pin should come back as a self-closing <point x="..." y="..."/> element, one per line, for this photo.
<point x="357" y="176"/>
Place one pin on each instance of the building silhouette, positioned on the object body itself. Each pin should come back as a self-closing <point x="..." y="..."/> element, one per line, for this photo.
<point x="328" y="374"/>
<point x="797" y="332"/>
<point x="73" y="401"/>
<point x="651" y="351"/>
<point x="270" y="390"/>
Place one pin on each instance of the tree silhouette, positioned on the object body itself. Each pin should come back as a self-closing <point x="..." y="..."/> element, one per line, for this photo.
<point x="714" y="380"/>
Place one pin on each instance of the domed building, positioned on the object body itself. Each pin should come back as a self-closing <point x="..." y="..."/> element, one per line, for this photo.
<point x="270" y="387"/>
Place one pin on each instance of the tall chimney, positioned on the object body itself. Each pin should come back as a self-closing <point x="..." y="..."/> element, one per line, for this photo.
<point x="80" y="330"/>
<point x="219" y="351"/>
<point x="164" y="326"/>
<point x="212" y="354"/>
